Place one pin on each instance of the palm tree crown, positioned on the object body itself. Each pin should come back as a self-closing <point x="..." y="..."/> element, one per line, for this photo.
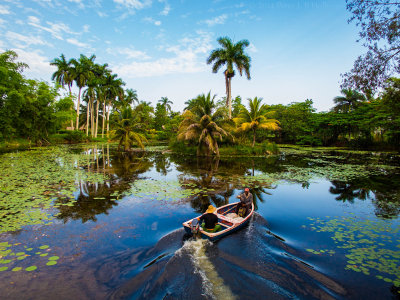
<point x="230" y="54"/>
<point x="349" y="101"/>
<point x="166" y="103"/>
<point x="203" y="123"/>
<point x="256" y="117"/>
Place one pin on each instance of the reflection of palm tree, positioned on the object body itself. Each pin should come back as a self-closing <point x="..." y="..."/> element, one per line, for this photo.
<point x="258" y="195"/>
<point x="162" y="164"/>
<point x="348" y="191"/>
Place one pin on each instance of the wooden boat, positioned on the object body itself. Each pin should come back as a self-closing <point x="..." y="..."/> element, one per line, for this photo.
<point x="228" y="225"/>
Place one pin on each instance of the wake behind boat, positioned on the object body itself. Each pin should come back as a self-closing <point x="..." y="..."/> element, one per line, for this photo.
<point x="226" y="220"/>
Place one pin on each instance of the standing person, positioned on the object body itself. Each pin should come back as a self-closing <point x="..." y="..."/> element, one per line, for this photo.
<point x="209" y="221"/>
<point x="246" y="199"/>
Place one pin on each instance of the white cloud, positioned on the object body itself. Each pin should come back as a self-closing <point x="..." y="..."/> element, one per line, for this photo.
<point x="23" y="41"/>
<point x="217" y="20"/>
<point x="151" y="20"/>
<point x="2" y="22"/>
<point x="77" y="43"/>
<point x="187" y="57"/>
<point x="166" y="9"/>
<point x="4" y="10"/>
<point x="134" y="4"/>
<point x="128" y="53"/>
<point x="79" y="2"/>
<point x="55" y="29"/>
<point x="19" y="22"/>
<point x="101" y="14"/>
<point x="252" y="48"/>
<point x="86" y="28"/>
<point x="38" y="64"/>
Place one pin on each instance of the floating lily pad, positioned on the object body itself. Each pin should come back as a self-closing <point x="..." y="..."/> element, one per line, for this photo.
<point x="54" y="258"/>
<point x="51" y="263"/>
<point x="31" y="268"/>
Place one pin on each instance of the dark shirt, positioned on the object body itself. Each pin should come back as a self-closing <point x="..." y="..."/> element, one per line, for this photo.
<point x="246" y="199"/>
<point x="210" y="220"/>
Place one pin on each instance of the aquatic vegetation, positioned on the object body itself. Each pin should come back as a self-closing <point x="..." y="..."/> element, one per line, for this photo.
<point x="162" y="190"/>
<point x="9" y="256"/>
<point x="32" y="181"/>
<point x="368" y="244"/>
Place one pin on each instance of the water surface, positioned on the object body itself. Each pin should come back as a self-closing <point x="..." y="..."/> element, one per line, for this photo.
<point x="326" y="225"/>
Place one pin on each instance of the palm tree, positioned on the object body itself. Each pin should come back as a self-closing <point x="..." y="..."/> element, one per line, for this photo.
<point x="204" y="124"/>
<point x="128" y="130"/>
<point x="63" y="75"/>
<point x="113" y="89"/>
<point x="130" y="97"/>
<point x="256" y="117"/>
<point x="350" y="100"/>
<point x="230" y="54"/>
<point x="166" y="103"/>
<point x="81" y="71"/>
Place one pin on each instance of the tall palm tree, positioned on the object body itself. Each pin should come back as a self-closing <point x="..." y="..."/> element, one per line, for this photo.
<point x="130" y="97"/>
<point x="128" y="129"/>
<point x="204" y="124"/>
<point x="350" y="100"/>
<point x="166" y="103"/>
<point x="113" y="89"/>
<point x="81" y="71"/>
<point x="256" y="117"/>
<point x="230" y="54"/>
<point x="63" y="74"/>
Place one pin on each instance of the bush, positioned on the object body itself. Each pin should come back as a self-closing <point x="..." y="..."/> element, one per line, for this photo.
<point x="75" y="136"/>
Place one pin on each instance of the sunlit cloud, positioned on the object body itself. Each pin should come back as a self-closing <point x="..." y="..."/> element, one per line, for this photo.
<point x="217" y="20"/>
<point x="55" y="29"/>
<point x="151" y="20"/>
<point x="4" y="10"/>
<point x="38" y="64"/>
<point x="77" y="43"/>
<point x="134" y="4"/>
<point x="188" y="57"/>
<point x="23" y="41"/>
<point x="166" y="9"/>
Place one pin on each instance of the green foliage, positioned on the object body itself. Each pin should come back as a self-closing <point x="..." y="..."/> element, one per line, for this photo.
<point x="75" y="136"/>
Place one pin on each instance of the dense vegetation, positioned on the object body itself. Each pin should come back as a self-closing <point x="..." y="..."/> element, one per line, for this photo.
<point x="367" y="114"/>
<point x="35" y="110"/>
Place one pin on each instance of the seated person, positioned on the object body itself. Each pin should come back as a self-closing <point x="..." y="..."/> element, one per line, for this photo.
<point x="246" y="199"/>
<point x="209" y="220"/>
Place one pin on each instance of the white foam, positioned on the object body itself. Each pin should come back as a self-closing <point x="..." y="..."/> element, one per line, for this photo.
<point x="213" y="284"/>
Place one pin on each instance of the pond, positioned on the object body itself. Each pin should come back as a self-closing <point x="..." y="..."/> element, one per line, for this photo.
<point x="87" y="222"/>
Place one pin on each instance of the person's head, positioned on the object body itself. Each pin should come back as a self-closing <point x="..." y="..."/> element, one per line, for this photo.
<point x="211" y="209"/>
<point x="246" y="190"/>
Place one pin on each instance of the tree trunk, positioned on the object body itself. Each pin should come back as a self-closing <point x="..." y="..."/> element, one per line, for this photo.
<point x="104" y="118"/>
<point x="254" y="137"/>
<point x="126" y="143"/>
<point x="230" y="97"/>
<point x="108" y="119"/>
<point x="87" y="118"/>
<point x="97" y="118"/>
<point x="70" y="96"/>
<point x="77" y="109"/>
<point x="92" y="117"/>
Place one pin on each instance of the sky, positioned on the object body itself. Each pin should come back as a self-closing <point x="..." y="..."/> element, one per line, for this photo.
<point x="159" y="48"/>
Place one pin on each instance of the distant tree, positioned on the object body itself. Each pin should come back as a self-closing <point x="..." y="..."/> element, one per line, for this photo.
<point x="166" y="103"/>
<point x="160" y="116"/>
<point x="81" y="71"/>
<point x="350" y="100"/>
<point x="379" y="23"/>
<point x="128" y="129"/>
<point x="230" y="54"/>
<point x="254" y="118"/>
<point x="203" y="124"/>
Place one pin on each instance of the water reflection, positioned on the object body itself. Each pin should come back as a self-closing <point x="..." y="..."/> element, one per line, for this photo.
<point x="217" y="179"/>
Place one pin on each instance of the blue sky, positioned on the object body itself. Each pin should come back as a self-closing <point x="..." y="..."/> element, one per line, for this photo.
<point x="298" y="48"/>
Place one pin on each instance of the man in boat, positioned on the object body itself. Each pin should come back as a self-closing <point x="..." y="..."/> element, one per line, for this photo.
<point x="244" y="206"/>
<point x="209" y="221"/>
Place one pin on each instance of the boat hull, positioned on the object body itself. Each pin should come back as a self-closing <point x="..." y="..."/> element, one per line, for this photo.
<point x="229" y="225"/>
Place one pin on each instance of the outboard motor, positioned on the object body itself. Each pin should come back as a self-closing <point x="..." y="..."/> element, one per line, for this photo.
<point x="195" y="226"/>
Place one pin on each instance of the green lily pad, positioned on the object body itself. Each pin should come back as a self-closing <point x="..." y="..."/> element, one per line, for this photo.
<point x="31" y="268"/>
<point x="51" y="263"/>
<point x="54" y="258"/>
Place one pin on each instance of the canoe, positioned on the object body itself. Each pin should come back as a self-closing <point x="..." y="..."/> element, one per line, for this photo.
<point x="228" y="224"/>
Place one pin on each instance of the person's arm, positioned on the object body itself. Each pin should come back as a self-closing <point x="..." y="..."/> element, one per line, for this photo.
<point x="201" y="219"/>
